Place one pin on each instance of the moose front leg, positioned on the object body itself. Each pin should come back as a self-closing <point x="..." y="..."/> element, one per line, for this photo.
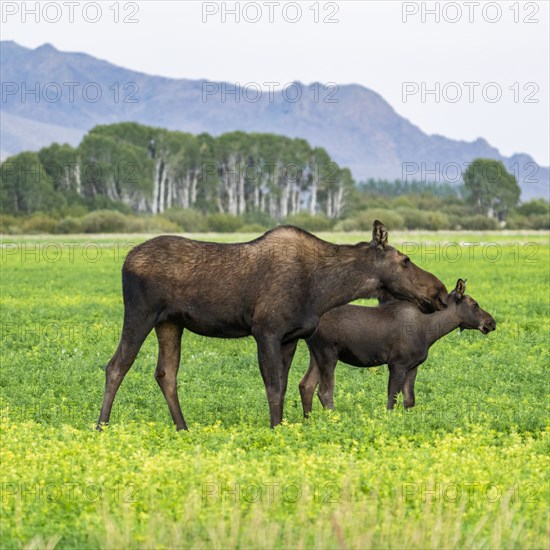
<point x="395" y="384"/>
<point x="408" y="388"/>
<point x="270" y="360"/>
<point x="134" y="332"/>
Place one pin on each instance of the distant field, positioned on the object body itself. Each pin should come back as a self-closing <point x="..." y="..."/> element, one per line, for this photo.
<point x="466" y="468"/>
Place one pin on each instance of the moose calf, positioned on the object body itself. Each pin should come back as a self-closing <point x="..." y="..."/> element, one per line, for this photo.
<point x="395" y="333"/>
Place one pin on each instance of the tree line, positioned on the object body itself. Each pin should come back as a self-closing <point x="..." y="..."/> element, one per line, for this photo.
<point x="150" y="170"/>
<point x="129" y="177"/>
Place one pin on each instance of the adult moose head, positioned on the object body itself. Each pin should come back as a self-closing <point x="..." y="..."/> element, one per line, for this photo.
<point x="274" y="288"/>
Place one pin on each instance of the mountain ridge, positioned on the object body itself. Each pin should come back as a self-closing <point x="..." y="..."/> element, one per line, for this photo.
<point x="361" y="130"/>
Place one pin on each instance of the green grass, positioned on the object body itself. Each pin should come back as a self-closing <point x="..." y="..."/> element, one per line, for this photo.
<point x="467" y="467"/>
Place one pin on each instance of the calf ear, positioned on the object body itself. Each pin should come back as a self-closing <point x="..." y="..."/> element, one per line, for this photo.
<point x="460" y="289"/>
<point x="379" y="234"/>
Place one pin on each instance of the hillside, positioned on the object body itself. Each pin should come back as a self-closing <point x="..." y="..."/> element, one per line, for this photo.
<point x="360" y="131"/>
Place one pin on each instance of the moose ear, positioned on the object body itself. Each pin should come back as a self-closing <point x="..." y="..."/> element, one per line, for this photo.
<point x="460" y="289"/>
<point x="379" y="234"/>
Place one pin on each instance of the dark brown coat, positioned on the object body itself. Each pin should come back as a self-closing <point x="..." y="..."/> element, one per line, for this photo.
<point x="274" y="288"/>
<point x="396" y="333"/>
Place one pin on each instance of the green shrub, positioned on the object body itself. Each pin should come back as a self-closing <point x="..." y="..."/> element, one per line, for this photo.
<point x="69" y="225"/>
<point x="349" y="224"/>
<point x="414" y="218"/>
<point x="534" y="214"/>
<point x="308" y="222"/>
<point x="390" y="218"/>
<point x="457" y="210"/>
<point x="540" y="221"/>
<point x="534" y="221"/>
<point x="134" y="224"/>
<point x="405" y="201"/>
<point x="188" y="219"/>
<point x="259" y="218"/>
<point x="104" y="221"/>
<point x="159" y="224"/>
<point x="476" y="222"/>
<point x="252" y="228"/>
<point x="10" y="225"/>
<point x="224" y="223"/>
<point x="39" y="223"/>
<point x="537" y="207"/>
<point x="74" y="211"/>
<point x="419" y="219"/>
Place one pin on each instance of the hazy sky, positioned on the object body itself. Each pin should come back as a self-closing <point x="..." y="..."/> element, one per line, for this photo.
<point x="477" y="49"/>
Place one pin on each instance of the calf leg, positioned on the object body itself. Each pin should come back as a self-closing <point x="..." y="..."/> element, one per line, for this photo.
<point x="169" y="338"/>
<point x="326" y="384"/>
<point x="395" y="383"/>
<point x="133" y="335"/>
<point x="408" y="388"/>
<point x="308" y="384"/>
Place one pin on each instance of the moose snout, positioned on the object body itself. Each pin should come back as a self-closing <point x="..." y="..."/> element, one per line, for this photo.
<point x="440" y="298"/>
<point x="435" y="300"/>
<point x="488" y="325"/>
<point x="443" y="298"/>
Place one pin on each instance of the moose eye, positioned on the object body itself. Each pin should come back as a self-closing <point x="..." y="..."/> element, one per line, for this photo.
<point x="406" y="261"/>
<point x="476" y="306"/>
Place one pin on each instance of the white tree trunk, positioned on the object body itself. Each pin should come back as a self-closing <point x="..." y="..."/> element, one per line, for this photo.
<point x="338" y="201"/>
<point x="170" y="192"/>
<point x="241" y="198"/>
<point x="185" y="190"/>
<point x="257" y="196"/>
<point x="313" y="198"/>
<point x="193" y="197"/>
<point x="231" y="186"/>
<point x="156" y="182"/>
<point x="329" y="203"/>
<point x="283" y="208"/>
<point x="162" y="190"/>
<point x="77" y="177"/>
<point x="292" y="206"/>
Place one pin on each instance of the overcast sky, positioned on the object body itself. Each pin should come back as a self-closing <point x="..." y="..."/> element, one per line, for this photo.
<point x="498" y="47"/>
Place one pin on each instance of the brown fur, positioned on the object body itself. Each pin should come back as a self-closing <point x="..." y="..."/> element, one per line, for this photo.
<point x="396" y="333"/>
<point x="274" y="288"/>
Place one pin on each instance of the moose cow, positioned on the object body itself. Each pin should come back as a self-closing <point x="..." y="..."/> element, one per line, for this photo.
<point x="395" y="333"/>
<point x="274" y="288"/>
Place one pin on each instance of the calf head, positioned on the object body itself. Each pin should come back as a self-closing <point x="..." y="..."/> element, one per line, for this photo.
<point x="401" y="278"/>
<point x="470" y="314"/>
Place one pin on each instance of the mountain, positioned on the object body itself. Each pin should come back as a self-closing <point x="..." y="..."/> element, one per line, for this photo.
<point x="49" y="95"/>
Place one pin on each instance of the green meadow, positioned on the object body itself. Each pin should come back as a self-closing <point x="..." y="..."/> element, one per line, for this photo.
<point x="466" y="468"/>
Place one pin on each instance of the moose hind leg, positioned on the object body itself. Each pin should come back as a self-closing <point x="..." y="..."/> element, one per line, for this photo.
<point x="133" y="335"/>
<point x="169" y="339"/>
<point x="288" y="350"/>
